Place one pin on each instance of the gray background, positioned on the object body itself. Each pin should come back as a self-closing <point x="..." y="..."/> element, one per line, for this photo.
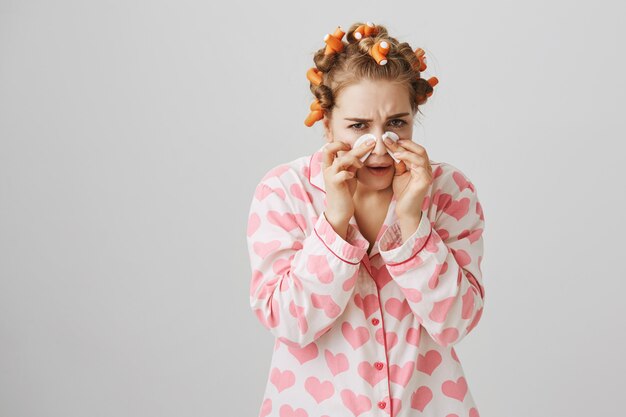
<point x="133" y="135"/>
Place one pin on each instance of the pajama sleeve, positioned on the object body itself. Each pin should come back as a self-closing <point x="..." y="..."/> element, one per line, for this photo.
<point x="301" y="279"/>
<point x="438" y="267"/>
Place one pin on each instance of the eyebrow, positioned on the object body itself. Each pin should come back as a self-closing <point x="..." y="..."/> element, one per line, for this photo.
<point x="355" y="119"/>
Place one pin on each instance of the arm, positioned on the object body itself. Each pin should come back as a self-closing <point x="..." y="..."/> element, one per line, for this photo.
<point x="438" y="268"/>
<point x="300" y="283"/>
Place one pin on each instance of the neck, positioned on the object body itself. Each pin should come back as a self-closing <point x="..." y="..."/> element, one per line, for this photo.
<point x="363" y="194"/>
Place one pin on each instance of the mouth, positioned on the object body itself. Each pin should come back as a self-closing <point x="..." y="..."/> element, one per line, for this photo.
<point x="379" y="170"/>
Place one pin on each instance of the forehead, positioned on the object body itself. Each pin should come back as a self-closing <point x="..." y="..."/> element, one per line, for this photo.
<point x="368" y="97"/>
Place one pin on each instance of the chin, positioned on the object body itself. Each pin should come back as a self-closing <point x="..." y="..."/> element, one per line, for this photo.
<point x="374" y="182"/>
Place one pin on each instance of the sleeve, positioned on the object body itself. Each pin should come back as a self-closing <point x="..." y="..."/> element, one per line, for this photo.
<point x="438" y="268"/>
<point x="301" y="282"/>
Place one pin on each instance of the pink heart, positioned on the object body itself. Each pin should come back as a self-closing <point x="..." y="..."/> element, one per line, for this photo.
<point x="285" y="221"/>
<point x="462" y="257"/>
<point x="428" y="362"/>
<point x="263" y="249"/>
<point x="254" y="221"/>
<point x="473" y="412"/>
<point x="357" y="404"/>
<point x="457" y="208"/>
<point x="281" y="265"/>
<point x="282" y="380"/>
<point x="356" y="337"/>
<point x="276" y="171"/>
<point x="471" y="235"/>
<point x="440" y="269"/>
<point x="476" y="319"/>
<point x="318" y="265"/>
<point x="440" y="310"/>
<point x="412" y="294"/>
<point x="454" y="355"/>
<point x="381" y="275"/>
<point x="468" y="303"/>
<point x="336" y="363"/>
<point x="369" y="373"/>
<point x="456" y="389"/>
<point x="447" y="336"/>
<point x="326" y="303"/>
<point x="349" y="283"/>
<point x="461" y="181"/>
<point x="421" y="397"/>
<point x="401" y="374"/>
<point x="273" y="320"/>
<point x="390" y="338"/>
<point x="255" y="281"/>
<point x="298" y="312"/>
<point x="304" y="354"/>
<point x="398" y="309"/>
<point x="369" y="304"/>
<point x="320" y="391"/>
<point x="299" y="192"/>
<point x="266" y="407"/>
<point x="264" y="191"/>
<point x="413" y="336"/>
<point x="287" y="411"/>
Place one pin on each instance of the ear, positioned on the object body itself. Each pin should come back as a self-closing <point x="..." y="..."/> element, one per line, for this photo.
<point x="328" y="133"/>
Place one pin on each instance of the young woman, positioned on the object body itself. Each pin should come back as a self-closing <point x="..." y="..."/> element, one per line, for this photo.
<point x="366" y="270"/>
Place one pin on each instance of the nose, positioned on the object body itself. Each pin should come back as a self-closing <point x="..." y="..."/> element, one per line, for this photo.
<point x="380" y="148"/>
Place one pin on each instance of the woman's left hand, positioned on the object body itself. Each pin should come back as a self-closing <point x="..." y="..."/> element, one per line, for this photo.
<point x="412" y="178"/>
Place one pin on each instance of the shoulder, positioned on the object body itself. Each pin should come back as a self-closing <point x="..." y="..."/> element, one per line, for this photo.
<point x="287" y="173"/>
<point x="449" y="179"/>
<point x="288" y="180"/>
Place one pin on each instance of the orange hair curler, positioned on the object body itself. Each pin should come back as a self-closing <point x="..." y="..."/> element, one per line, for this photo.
<point x="433" y="81"/>
<point x="421" y="57"/>
<point x="314" y="75"/>
<point x="379" y="52"/>
<point x="365" y="30"/>
<point x="333" y="42"/>
<point x="317" y="113"/>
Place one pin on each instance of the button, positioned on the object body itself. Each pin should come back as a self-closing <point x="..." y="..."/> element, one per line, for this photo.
<point x="375" y="321"/>
<point x="381" y="404"/>
<point x="378" y="365"/>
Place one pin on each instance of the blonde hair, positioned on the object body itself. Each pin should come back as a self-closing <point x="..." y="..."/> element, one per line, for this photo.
<point x="355" y="63"/>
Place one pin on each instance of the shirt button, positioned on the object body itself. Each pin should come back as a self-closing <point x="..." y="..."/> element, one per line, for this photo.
<point x="375" y="321"/>
<point x="378" y="365"/>
<point x="382" y="404"/>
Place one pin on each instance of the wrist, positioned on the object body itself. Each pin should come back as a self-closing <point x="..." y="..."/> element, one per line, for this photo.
<point x="339" y="225"/>
<point x="408" y="225"/>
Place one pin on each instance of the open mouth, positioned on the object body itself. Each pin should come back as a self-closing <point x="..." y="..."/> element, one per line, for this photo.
<point x="379" y="170"/>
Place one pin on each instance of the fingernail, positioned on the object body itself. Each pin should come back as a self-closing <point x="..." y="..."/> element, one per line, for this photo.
<point x="369" y="142"/>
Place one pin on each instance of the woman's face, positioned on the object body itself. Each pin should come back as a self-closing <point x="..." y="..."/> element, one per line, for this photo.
<point x="371" y="107"/>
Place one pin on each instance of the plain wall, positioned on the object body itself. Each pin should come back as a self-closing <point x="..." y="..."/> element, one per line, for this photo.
<point x="132" y="135"/>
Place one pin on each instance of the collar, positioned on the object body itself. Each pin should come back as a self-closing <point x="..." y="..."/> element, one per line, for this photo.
<point x="316" y="176"/>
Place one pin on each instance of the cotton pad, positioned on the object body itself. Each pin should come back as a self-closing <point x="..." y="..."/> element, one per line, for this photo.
<point x="368" y="136"/>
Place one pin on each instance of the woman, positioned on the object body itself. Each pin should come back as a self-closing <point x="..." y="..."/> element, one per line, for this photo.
<point x="366" y="276"/>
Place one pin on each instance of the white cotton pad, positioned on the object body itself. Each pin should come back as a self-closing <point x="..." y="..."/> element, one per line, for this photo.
<point x="362" y="140"/>
<point x="368" y="136"/>
<point x="393" y="137"/>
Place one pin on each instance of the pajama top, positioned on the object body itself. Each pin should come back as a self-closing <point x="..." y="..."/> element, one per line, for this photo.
<point x="357" y="333"/>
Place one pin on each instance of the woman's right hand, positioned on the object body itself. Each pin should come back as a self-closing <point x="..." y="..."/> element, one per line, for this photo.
<point x="339" y="179"/>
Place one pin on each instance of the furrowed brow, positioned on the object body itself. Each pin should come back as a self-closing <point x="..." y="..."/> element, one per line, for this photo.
<point x="357" y="119"/>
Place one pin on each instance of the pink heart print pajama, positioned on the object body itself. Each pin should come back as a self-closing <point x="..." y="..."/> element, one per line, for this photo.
<point x="364" y="334"/>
